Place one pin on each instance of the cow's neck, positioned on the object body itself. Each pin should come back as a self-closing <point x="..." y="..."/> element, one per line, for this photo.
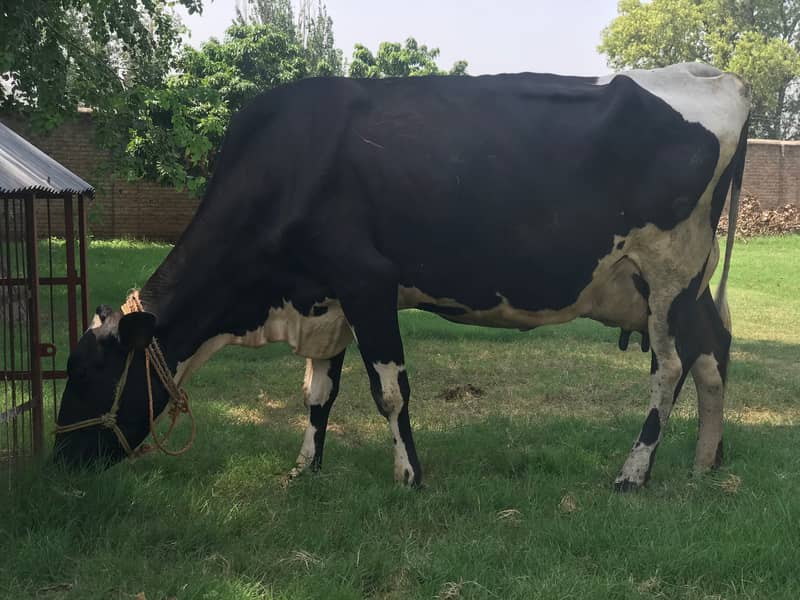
<point x="190" y="294"/>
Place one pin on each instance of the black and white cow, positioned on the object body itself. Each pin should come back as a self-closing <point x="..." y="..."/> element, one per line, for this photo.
<point x="504" y="201"/>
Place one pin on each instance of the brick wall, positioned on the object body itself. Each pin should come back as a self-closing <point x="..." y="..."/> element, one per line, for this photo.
<point x="121" y="209"/>
<point x="147" y="210"/>
<point x="772" y="172"/>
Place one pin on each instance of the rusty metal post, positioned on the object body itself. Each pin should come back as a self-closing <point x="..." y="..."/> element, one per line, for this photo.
<point x="84" y="276"/>
<point x="37" y="394"/>
<point x="72" y="276"/>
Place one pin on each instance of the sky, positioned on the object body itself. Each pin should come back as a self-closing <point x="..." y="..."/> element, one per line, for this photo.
<point x="500" y="36"/>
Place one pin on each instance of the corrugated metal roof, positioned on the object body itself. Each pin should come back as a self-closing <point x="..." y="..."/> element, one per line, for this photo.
<point x="25" y="168"/>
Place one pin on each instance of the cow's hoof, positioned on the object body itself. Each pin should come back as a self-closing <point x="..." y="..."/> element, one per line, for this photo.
<point x="406" y="477"/>
<point x="623" y="486"/>
<point x="295" y="473"/>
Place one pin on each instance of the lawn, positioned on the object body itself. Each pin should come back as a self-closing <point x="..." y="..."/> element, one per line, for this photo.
<point x="517" y="501"/>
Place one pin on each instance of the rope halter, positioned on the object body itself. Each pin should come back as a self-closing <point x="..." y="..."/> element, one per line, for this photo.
<point x="178" y="398"/>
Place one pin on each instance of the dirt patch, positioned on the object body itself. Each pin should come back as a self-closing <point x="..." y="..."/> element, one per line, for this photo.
<point x="460" y="392"/>
<point x="753" y="220"/>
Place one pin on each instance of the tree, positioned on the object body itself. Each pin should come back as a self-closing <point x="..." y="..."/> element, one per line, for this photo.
<point x="313" y="30"/>
<point x="400" y="60"/>
<point x="758" y="39"/>
<point x="178" y="128"/>
<point x="275" y="13"/>
<point x="58" y="54"/>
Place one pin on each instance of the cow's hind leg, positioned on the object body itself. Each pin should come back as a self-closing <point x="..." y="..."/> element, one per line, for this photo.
<point x="684" y="338"/>
<point x="320" y="387"/>
<point x="709" y="374"/>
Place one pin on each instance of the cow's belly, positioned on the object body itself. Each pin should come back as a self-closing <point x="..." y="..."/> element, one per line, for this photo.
<point x="322" y="334"/>
<point x="611" y="298"/>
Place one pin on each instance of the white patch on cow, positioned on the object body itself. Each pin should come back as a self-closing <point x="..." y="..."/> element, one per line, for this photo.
<point x="662" y="393"/>
<point x="317" y="385"/>
<point x="392" y="403"/>
<point x="403" y="471"/>
<point x="96" y="322"/>
<point x="320" y="336"/>
<point x="701" y="94"/>
<point x="410" y="297"/>
<point x="710" y="401"/>
<point x="307" y="450"/>
<point x="634" y="471"/>
<point x="317" y="388"/>
<point x="311" y="336"/>
<point x="391" y="397"/>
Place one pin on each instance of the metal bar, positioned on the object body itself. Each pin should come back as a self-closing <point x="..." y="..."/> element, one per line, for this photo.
<point x="82" y="251"/>
<point x="51" y="301"/>
<point x="26" y="375"/>
<point x="17" y="237"/>
<point x="69" y="235"/>
<point x="5" y="309"/>
<point x="37" y="393"/>
<point x="42" y="280"/>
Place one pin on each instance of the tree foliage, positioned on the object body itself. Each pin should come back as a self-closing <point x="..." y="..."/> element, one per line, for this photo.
<point x="316" y="36"/>
<point x="758" y="39"/>
<point x="275" y="13"/>
<point x="58" y="54"/>
<point x="177" y="129"/>
<point x="313" y="30"/>
<point x="400" y="60"/>
<point x="161" y="108"/>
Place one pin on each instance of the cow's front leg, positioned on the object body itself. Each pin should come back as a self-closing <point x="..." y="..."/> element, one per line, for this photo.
<point x="320" y="387"/>
<point x="374" y="322"/>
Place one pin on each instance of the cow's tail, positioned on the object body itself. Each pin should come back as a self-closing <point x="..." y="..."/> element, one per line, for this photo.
<point x="733" y="215"/>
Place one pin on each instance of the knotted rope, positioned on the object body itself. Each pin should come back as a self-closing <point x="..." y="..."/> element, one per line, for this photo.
<point x="178" y="398"/>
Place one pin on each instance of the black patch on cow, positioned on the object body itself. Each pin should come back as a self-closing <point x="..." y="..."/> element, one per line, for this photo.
<point x="404" y="426"/>
<point x="624" y="338"/>
<point x="697" y="327"/>
<point x="318" y="413"/>
<point x="644" y="344"/>
<point x="653" y="363"/>
<point x="318" y="311"/>
<point x="719" y="455"/>
<point x="318" y="417"/>
<point x="682" y="207"/>
<point x="451" y="311"/>
<point x="641" y="286"/>
<point x="650" y="465"/>
<point x="651" y="428"/>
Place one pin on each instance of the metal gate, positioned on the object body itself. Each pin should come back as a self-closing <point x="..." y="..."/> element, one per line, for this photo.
<point x="43" y="289"/>
<point x="42" y="282"/>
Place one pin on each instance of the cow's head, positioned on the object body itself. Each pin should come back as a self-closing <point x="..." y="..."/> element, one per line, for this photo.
<point x="94" y="370"/>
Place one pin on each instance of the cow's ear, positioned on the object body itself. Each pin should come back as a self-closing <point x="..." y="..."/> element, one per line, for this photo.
<point x="101" y="313"/>
<point x="136" y="330"/>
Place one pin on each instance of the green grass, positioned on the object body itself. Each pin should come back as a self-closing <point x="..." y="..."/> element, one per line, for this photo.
<point x="517" y="501"/>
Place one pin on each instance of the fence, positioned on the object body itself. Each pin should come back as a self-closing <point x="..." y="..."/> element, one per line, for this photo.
<point x="43" y="289"/>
